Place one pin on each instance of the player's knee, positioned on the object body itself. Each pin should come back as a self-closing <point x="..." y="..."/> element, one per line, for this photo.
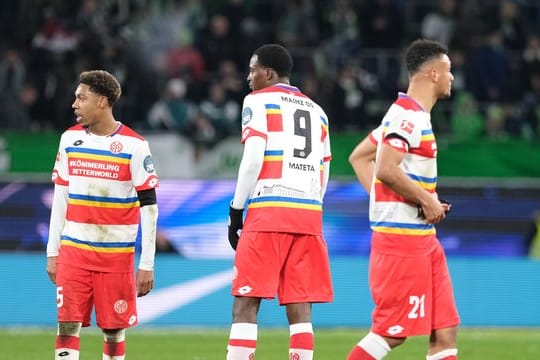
<point x="393" y="342"/>
<point x="69" y="328"/>
<point x="114" y="335"/>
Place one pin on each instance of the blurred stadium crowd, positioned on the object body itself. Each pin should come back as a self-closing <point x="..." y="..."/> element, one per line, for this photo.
<point x="183" y="63"/>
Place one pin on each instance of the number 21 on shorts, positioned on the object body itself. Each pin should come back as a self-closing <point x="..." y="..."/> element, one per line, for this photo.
<point x="417" y="310"/>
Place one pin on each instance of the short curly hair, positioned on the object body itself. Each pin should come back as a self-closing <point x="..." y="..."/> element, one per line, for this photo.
<point x="276" y="57"/>
<point x="103" y="83"/>
<point x="421" y="51"/>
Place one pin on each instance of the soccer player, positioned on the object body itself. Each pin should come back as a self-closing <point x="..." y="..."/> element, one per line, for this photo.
<point x="408" y="275"/>
<point x="104" y="187"/>
<point x="282" y="179"/>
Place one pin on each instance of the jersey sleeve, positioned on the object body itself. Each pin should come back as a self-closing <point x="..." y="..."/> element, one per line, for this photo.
<point x="375" y="134"/>
<point x="143" y="172"/>
<point x="404" y="127"/>
<point x="254" y="118"/>
<point x="325" y="138"/>
<point x="60" y="174"/>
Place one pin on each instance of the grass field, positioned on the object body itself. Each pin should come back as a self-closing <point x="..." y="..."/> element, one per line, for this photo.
<point x="201" y="344"/>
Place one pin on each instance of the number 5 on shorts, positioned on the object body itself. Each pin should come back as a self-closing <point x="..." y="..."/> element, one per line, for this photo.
<point x="59" y="296"/>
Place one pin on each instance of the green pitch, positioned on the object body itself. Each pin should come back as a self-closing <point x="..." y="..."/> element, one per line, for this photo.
<point x="202" y="344"/>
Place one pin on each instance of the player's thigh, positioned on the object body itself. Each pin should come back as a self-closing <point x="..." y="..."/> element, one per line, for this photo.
<point x="115" y="300"/>
<point x="257" y="265"/>
<point x="445" y="312"/>
<point x="74" y="287"/>
<point x="305" y="276"/>
<point x="401" y="288"/>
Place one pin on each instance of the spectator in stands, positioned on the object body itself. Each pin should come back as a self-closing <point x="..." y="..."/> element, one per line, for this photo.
<point x="12" y="73"/>
<point x="467" y="122"/>
<point x="347" y="99"/>
<point x="222" y="111"/>
<point x="440" y="23"/>
<point x="382" y="24"/>
<point x="489" y="68"/>
<point x="231" y="79"/>
<point x="215" y="42"/>
<point x="531" y="58"/>
<point x="531" y="109"/>
<point x="173" y="110"/>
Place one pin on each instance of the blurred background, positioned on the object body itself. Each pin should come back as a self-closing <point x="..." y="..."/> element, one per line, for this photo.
<point x="183" y="68"/>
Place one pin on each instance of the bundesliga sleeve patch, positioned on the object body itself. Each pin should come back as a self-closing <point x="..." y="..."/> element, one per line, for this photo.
<point x="247" y="114"/>
<point x="148" y="164"/>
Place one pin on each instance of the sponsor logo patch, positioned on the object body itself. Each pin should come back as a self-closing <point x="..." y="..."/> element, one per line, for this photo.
<point x="148" y="164"/>
<point x="120" y="306"/>
<point x="116" y="147"/>
<point x="247" y="114"/>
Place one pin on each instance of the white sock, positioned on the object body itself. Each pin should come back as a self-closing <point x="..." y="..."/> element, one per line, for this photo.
<point x="66" y="354"/>
<point x="242" y="341"/>
<point x="375" y="345"/>
<point x="301" y="342"/>
<point x="442" y="354"/>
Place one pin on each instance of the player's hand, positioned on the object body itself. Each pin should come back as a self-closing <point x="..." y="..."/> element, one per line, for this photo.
<point x="51" y="268"/>
<point x="145" y="282"/>
<point x="236" y="223"/>
<point x="434" y="211"/>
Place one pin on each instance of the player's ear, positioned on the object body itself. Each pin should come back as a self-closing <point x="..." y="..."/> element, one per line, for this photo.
<point x="103" y="102"/>
<point x="270" y="73"/>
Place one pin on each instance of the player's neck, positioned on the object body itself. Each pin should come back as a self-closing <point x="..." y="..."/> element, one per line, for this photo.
<point x="104" y="128"/>
<point x="423" y="95"/>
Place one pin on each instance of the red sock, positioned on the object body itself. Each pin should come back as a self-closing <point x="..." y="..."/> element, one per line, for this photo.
<point x="67" y="346"/>
<point x="357" y="353"/>
<point x="301" y="342"/>
<point x="114" y="350"/>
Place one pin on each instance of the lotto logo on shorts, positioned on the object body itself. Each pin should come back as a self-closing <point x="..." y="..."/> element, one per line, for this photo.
<point x="394" y="330"/>
<point x="244" y="290"/>
<point x="120" y="306"/>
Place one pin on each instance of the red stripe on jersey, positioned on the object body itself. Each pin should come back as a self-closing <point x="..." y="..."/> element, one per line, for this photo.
<point x="243" y="343"/>
<point x="97" y="261"/>
<point x="327" y="158"/>
<point x="69" y="342"/>
<point x="151" y="183"/>
<point x="397" y="144"/>
<point x="324" y="133"/>
<point x="102" y="169"/>
<point x="276" y="88"/>
<point x="426" y="149"/>
<point x="372" y="138"/>
<point x="114" y="349"/>
<point x="384" y="193"/>
<point x="274" y="122"/>
<point x="57" y="179"/>
<point x="282" y="219"/>
<point x="271" y="170"/>
<point x="249" y="132"/>
<point x="408" y="103"/>
<point x="102" y="216"/>
<point x="302" y="341"/>
<point x="126" y="131"/>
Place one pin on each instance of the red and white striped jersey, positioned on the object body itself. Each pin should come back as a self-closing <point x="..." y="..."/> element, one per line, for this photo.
<point x="390" y="213"/>
<point x="288" y="194"/>
<point x="103" y="175"/>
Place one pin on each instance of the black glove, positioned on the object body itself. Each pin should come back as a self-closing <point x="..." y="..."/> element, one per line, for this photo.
<point x="442" y="201"/>
<point x="235" y="223"/>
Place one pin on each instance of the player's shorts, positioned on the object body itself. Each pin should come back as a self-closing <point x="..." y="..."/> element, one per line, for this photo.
<point x="293" y="266"/>
<point x="112" y="294"/>
<point x="413" y="294"/>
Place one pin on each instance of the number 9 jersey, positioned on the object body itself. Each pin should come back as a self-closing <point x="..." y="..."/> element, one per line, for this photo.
<point x="290" y="187"/>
